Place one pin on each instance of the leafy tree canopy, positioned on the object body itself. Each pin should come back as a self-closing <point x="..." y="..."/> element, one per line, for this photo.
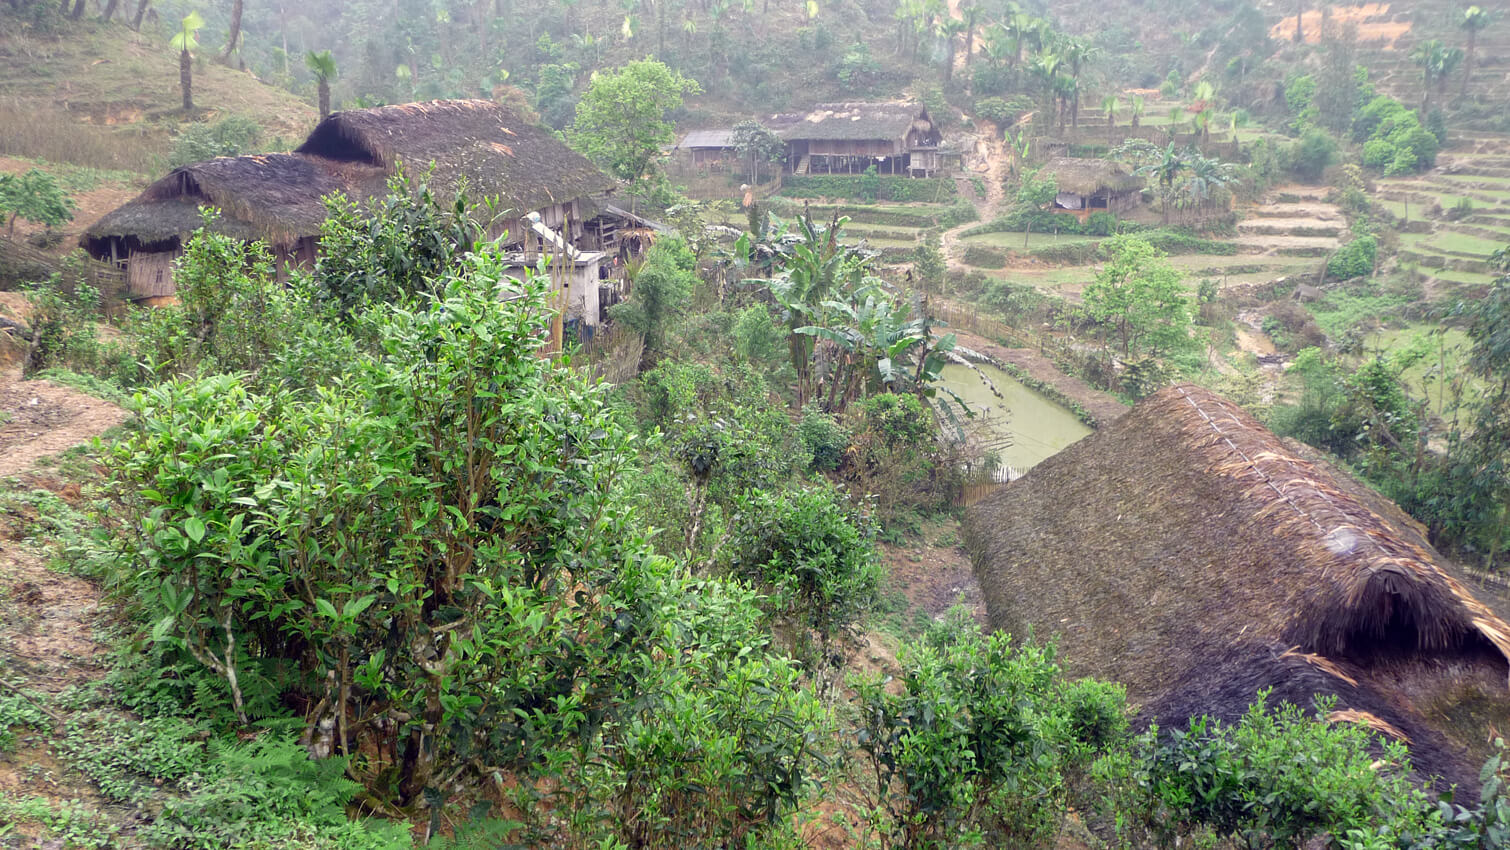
<point x="34" y="196"/>
<point x="621" y="120"/>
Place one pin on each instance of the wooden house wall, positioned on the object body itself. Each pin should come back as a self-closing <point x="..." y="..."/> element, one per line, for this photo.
<point x="854" y="147"/>
<point x="150" y="275"/>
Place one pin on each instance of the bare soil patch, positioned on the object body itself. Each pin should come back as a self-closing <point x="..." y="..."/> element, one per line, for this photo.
<point x="42" y="418"/>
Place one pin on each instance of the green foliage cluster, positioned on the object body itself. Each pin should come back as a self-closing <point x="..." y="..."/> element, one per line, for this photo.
<point x="883" y="187"/>
<point x="621" y="120"/>
<point x="1138" y="298"/>
<point x="981" y="741"/>
<point x="400" y="246"/>
<point x="527" y="627"/>
<point x="1354" y="259"/>
<point x="662" y="289"/>
<point x="810" y="552"/>
<point x="211" y="793"/>
<point x="1312" y="153"/>
<point x="34" y="196"/>
<point x="1394" y="141"/>
<point x="232" y="135"/>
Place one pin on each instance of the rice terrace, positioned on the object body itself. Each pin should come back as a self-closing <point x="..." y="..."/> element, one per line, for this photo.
<point x="758" y="424"/>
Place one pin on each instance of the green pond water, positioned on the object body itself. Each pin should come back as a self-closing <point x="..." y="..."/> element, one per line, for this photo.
<point x="1021" y="426"/>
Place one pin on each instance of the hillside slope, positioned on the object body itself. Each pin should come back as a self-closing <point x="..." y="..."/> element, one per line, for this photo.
<point x="103" y="96"/>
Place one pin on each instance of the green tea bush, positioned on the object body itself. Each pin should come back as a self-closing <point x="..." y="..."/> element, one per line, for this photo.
<point x="981" y="740"/>
<point x="1279" y="776"/>
<point x="854" y="187"/>
<point x="812" y="551"/>
<point x="824" y="439"/>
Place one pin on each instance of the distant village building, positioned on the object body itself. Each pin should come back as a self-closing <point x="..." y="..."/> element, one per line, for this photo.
<point x="1189" y="553"/>
<point x="278" y="198"/>
<point x="1092" y="185"/>
<point x="837" y="138"/>
<point x="706" y="148"/>
<point x="848" y="138"/>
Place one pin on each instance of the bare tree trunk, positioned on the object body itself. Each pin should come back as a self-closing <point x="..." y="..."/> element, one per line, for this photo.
<point x="1300" y="9"/>
<point x="63" y="9"/>
<point x="186" y="79"/>
<point x="324" y="97"/>
<point x="230" y="45"/>
<point x="78" y="10"/>
<point x="110" y="10"/>
<point x="141" y="12"/>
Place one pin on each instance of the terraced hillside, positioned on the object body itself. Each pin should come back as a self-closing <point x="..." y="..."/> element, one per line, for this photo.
<point x="1388" y="32"/>
<point x="1455" y="215"/>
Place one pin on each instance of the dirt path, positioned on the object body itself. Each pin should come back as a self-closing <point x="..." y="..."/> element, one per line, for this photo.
<point x="47" y="618"/>
<point x="41" y="418"/>
<point x="1103" y="406"/>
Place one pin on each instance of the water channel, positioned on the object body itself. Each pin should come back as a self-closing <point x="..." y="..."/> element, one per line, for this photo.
<point x="1022" y="426"/>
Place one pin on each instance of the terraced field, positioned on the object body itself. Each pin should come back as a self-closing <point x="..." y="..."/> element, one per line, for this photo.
<point x="1472" y="184"/>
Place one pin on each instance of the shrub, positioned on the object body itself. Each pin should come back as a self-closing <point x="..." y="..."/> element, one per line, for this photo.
<point x="853" y="187"/>
<point x="1355" y="259"/>
<point x="984" y="256"/>
<point x="757" y="337"/>
<point x="812" y="552"/>
<point x="981" y="739"/>
<point x="824" y="439"/>
<point x="230" y="136"/>
<point x="1311" y="155"/>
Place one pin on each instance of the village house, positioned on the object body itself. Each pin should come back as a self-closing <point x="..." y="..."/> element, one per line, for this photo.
<point x="896" y="138"/>
<point x="1088" y="186"/>
<point x="278" y="198"/>
<point x="1187" y="552"/>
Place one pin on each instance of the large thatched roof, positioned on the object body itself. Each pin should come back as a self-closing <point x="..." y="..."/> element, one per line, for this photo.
<point x="277" y="197"/>
<point x="852" y="121"/>
<point x="495" y="151"/>
<point x="1089" y="176"/>
<point x="1188" y="552"/>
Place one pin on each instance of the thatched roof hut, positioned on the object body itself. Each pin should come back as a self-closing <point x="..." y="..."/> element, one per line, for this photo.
<point x="1090" y="176"/>
<point x="1189" y="553"/>
<point x="278" y="197"/>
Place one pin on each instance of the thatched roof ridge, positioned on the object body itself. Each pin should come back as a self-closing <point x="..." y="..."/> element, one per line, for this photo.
<point x="715" y="139"/>
<point x="855" y="121"/>
<point x="489" y="147"/>
<point x="1191" y="554"/>
<point x="1088" y="176"/>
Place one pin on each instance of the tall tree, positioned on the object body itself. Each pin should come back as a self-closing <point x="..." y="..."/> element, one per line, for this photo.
<point x="1473" y="21"/>
<point x="235" y="37"/>
<point x="323" y="66"/>
<point x="184" y="41"/>
<point x="621" y="119"/>
<point x="141" y="12"/>
<point x="1300" y="10"/>
<point x="1109" y="105"/>
<point x="109" y="12"/>
<point x="1138" y="296"/>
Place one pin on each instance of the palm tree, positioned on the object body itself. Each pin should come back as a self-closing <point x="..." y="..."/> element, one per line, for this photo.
<point x="1077" y="52"/>
<point x="1436" y="60"/>
<point x="1167" y="170"/>
<point x="1473" y="21"/>
<point x="234" y="40"/>
<point x="1176" y="115"/>
<point x="185" y="41"/>
<point x="1109" y="105"/>
<point x="1135" y="110"/>
<point x="323" y="66"/>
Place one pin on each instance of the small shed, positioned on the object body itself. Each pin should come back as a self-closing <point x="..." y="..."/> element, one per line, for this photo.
<point x="1092" y="185"/>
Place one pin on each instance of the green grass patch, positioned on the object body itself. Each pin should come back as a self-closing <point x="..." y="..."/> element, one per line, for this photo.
<point x="1367" y="303"/>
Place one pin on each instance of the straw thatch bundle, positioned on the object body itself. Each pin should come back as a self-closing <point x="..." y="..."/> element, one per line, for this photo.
<point x="1188" y="552"/>
<point x="277" y="197"/>
<point x="1090" y="176"/>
